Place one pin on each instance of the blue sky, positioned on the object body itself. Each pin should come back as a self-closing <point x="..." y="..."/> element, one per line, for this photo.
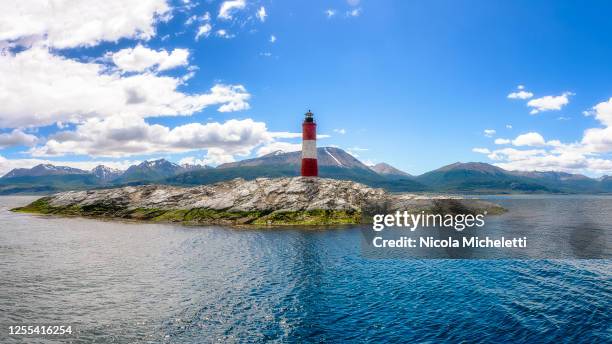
<point x="417" y="84"/>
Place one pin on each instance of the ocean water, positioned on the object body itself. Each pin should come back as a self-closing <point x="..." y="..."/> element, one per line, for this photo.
<point x="117" y="282"/>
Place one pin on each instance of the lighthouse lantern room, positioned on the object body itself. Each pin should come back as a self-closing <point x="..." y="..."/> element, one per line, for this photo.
<point x="309" y="147"/>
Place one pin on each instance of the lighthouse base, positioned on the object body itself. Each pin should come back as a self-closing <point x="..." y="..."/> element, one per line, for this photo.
<point x="310" y="168"/>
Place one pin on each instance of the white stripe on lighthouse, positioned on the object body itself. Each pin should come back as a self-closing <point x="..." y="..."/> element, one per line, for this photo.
<point x="309" y="149"/>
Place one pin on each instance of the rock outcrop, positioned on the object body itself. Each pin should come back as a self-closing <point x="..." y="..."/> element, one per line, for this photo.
<point x="298" y="200"/>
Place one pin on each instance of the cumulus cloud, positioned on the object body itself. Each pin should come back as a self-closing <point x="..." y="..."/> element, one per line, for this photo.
<point x="125" y="135"/>
<point x="272" y="38"/>
<point x="17" y="138"/>
<point x="330" y="12"/>
<point x="603" y="112"/>
<point x="589" y="156"/>
<point x="489" y="132"/>
<point x="600" y="139"/>
<point x="228" y="7"/>
<point x="529" y="139"/>
<point x="520" y="93"/>
<point x="218" y="156"/>
<point x="501" y="141"/>
<point x="67" y="24"/>
<point x="481" y="150"/>
<point x="261" y="14"/>
<point x="140" y="58"/>
<point x="38" y="88"/>
<point x="549" y="103"/>
<point x="279" y="146"/>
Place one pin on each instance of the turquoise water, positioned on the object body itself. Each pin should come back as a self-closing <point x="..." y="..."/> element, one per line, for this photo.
<point x="131" y="282"/>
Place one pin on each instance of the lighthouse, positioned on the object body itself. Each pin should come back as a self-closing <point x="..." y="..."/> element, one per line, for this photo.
<point x="309" y="147"/>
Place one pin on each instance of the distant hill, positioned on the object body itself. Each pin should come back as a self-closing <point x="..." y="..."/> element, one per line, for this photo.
<point x="326" y="156"/>
<point x="471" y="177"/>
<point x="150" y="171"/>
<point x="47" y="184"/>
<point x="43" y="170"/>
<point x="333" y="163"/>
<point x="387" y="170"/>
<point x="106" y="174"/>
<point x="480" y="178"/>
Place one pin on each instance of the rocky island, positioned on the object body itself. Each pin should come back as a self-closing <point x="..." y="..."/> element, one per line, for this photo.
<point x="259" y="202"/>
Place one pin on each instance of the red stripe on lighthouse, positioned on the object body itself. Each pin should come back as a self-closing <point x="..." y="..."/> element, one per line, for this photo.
<point x="309" y="131"/>
<point x="310" y="168"/>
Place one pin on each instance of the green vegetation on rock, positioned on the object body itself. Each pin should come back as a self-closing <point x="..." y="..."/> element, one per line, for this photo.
<point x="198" y="215"/>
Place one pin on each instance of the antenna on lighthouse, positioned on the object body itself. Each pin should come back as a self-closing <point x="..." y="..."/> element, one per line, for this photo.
<point x="309" y="146"/>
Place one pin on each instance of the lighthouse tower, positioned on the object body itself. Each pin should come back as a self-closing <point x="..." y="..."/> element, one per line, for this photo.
<point x="309" y="147"/>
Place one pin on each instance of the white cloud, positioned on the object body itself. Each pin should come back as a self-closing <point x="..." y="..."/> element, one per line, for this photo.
<point x="218" y="156"/>
<point x="38" y="88"/>
<point x="191" y="19"/>
<point x="224" y="34"/>
<point x="549" y="103"/>
<point x="502" y="141"/>
<point x="589" y="156"/>
<point x="261" y="14"/>
<point x="272" y="38"/>
<point x="489" y="132"/>
<point x="330" y="12"/>
<point x="204" y="18"/>
<point x="285" y="135"/>
<point x="66" y="24"/>
<point x="227" y="7"/>
<point x="354" y="12"/>
<point x="481" y="150"/>
<point x="203" y="31"/>
<point x="279" y="146"/>
<point x="124" y="135"/>
<point x="545" y="161"/>
<point x="520" y="95"/>
<point x="508" y="126"/>
<point x="140" y="58"/>
<point x="17" y="138"/>
<point x="340" y="131"/>
<point x="600" y="139"/>
<point x="603" y="112"/>
<point x="529" y="139"/>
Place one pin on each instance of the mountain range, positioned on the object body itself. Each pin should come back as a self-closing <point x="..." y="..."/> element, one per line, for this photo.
<point x="471" y="177"/>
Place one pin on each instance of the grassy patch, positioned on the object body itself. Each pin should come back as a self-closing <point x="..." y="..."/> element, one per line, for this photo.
<point x="310" y="217"/>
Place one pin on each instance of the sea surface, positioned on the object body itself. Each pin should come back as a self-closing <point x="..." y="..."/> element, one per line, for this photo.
<point x="119" y="282"/>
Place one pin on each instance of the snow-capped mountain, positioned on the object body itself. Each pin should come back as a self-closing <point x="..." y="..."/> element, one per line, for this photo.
<point x="43" y="170"/>
<point x="105" y="173"/>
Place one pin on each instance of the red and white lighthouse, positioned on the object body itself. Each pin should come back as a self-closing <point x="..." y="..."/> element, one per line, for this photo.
<point x="309" y="147"/>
